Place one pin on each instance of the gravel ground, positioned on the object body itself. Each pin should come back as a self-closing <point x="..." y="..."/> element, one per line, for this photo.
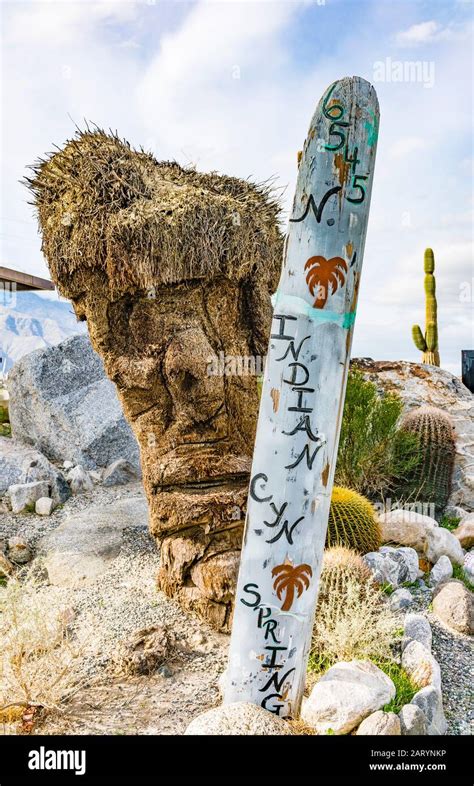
<point x="120" y="601"/>
<point x="124" y="599"/>
<point x="455" y="655"/>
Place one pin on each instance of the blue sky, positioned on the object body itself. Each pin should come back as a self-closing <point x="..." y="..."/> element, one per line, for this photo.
<point x="231" y="86"/>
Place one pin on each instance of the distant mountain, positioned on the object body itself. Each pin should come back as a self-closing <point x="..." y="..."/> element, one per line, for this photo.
<point x="30" y="321"/>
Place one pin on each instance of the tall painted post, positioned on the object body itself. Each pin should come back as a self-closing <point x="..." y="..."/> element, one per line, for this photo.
<point x="302" y="402"/>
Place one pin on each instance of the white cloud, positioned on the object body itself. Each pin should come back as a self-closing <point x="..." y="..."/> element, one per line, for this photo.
<point x="164" y="76"/>
<point x="430" y="32"/>
<point x="418" y="34"/>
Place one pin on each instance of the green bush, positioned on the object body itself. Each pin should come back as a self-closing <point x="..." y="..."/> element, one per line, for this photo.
<point x="449" y="522"/>
<point x="405" y="688"/>
<point x="460" y="574"/>
<point x="374" y="455"/>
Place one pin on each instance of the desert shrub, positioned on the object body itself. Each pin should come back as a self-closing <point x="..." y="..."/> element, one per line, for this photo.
<point x="4" y="417"/>
<point x="352" y="522"/>
<point x="37" y="654"/>
<point x="374" y="455"/>
<point x="354" y="622"/>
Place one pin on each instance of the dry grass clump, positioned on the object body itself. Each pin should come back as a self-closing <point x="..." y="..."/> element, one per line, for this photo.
<point x="299" y="727"/>
<point x="37" y="654"/>
<point x="353" y="621"/>
<point x="104" y="206"/>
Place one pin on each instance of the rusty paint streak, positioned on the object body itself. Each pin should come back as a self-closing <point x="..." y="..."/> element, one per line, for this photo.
<point x="275" y="394"/>
<point x="325" y="474"/>
<point x="349" y="249"/>
<point x="341" y="167"/>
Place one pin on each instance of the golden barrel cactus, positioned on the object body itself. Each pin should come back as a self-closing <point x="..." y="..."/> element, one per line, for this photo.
<point x="352" y="522"/>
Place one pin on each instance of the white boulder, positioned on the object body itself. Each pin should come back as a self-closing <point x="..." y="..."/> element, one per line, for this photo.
<point x="430" y="702"/>
<point x="420" y="665"/>
<point x="346" y="694"/>
<point x="412" y="721"/>
<point x="421" y="533"/>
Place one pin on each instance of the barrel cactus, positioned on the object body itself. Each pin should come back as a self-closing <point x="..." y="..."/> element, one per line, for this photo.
<point x="430" y="481"/>
<point x="428" y="343"/>
<point x="352" y="522"/>
<point x="341" y="566"/>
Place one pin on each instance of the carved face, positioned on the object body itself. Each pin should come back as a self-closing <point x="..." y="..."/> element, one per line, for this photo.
<point x="115" y="222"/>
<point x="195" y="428"/>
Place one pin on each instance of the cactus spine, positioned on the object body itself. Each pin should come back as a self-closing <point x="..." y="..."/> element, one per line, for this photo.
<point x="342" y="566"/>
<point x="428" y="344"/>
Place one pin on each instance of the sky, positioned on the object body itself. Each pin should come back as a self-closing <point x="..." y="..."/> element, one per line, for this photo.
<point x="231" y="87"/>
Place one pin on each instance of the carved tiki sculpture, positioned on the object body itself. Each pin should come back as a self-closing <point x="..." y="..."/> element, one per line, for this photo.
<point x="170" y="268"/>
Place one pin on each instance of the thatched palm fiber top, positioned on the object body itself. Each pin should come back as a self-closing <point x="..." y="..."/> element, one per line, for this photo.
<point x="103" y="205"/>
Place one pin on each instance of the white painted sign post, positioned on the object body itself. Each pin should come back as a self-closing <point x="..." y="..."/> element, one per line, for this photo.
<point x="302" y="402"/>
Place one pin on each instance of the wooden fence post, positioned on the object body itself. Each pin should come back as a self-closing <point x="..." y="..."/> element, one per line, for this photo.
<point x="302" y="402"/>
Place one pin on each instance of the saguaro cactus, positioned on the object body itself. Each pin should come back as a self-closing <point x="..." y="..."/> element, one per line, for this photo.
<point x="428" y="343"/>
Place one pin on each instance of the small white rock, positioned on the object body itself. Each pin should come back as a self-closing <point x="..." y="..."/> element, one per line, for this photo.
<point x="401" y="599"/>
<point x="412" y="721"/>
<point x="442" y="571"/>
<point x="420" y="665"/>
<point x="23" y="494"/>
<point x="44" y="506"/>
<point x="68" y="465"/>
<point x="380" y="722"/>
<point x="417" y="628"/>
<point x="19" y="550"/>
<point x="468" y="566"/>
<point x="79" y="480"/>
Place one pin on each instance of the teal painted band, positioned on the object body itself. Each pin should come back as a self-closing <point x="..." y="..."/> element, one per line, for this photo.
<point x="300" y="307"/>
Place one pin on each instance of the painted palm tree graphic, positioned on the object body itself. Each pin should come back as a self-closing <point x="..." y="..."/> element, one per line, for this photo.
<point x="324" y="273"/>
<point x="288" y="579"/>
